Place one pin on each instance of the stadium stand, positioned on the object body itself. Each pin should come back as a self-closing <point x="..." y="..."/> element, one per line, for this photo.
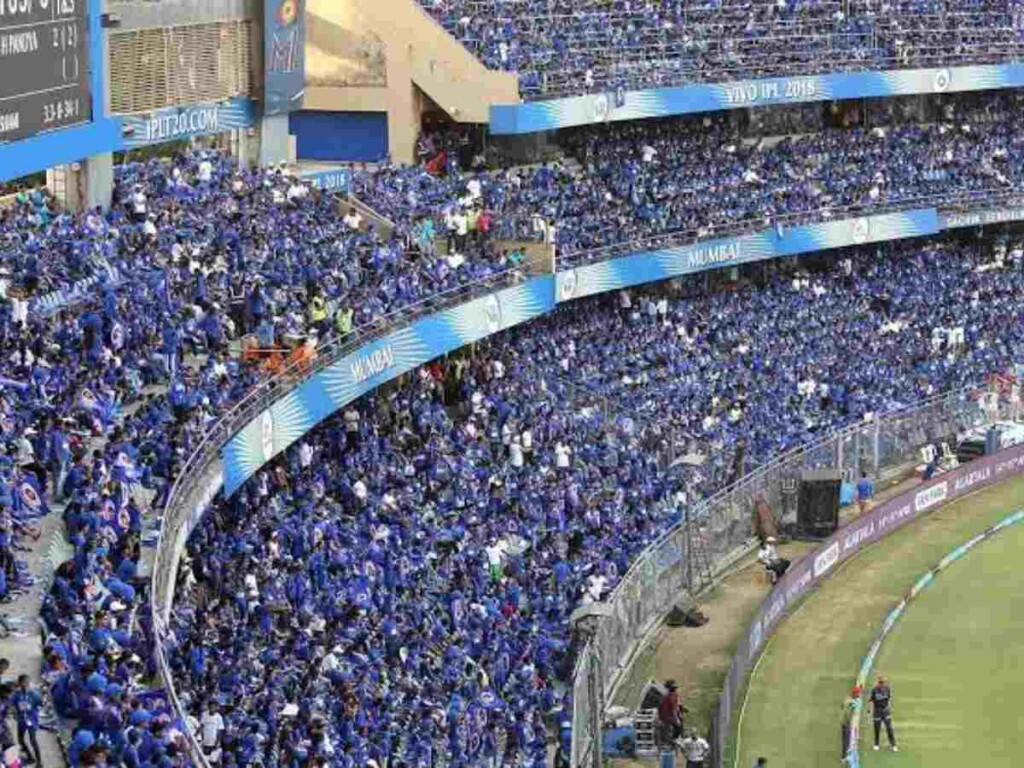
<point x="142" y="365"/>
<point x="397" y="588"/>
<point x="570" y="48"/>
<point x="625" y="187"/>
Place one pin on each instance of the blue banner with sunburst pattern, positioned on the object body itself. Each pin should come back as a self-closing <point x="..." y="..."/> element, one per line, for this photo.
<point x="373" y="364"/>
<point x="647" y="267"/>
<point x="531" y="117"/>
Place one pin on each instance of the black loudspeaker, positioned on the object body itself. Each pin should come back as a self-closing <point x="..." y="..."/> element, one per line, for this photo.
<point x="686" y="616"/>
<point x="818" y="507"/>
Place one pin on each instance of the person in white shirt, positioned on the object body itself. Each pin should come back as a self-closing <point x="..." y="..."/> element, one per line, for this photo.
<point x="769" y="557"/>
<point x="19" y="311"/>
<point x="351" y="419"/>
<point x="332" y="661"/>
<point x="212" y="725"/>
<point x="26" y="454"/>
<point x="360" y="491"/>
<point x="352" y="219"/>
<point x="461" y="221"/>
<point x="695" y="750"/>
<point x="495" y="559"/>
<point x="526" y="440"/>
<point x="205" y="170"/>
<point x="305" y="455"/>
<point x="596" y="585"/>
<point x="139" y="202"/>
<point x="562" y="455"/>
<point x="252" y="588"/>
<point x="515" y="452"/>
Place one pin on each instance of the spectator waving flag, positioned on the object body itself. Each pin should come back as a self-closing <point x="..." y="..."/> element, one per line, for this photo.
<point x="29" y="499"/>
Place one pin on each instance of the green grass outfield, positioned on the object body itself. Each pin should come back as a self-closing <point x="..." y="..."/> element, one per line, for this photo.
<point x="957" y="656"/>
<point x="948" y="709"/>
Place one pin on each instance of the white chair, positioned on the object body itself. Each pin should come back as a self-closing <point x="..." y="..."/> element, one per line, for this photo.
<point x="949" y="459"/>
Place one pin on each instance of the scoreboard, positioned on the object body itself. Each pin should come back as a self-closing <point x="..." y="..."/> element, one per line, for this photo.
<point x="44" y="66"/>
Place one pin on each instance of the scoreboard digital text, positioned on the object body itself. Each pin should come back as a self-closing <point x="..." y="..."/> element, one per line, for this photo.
<point x="44" y="66"/>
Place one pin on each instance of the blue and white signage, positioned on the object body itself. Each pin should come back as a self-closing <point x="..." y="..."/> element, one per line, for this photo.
<point x="284" y="55"/>
<point x="611" y="275"/>
<point x="338" y="180"/>
<point x="549" y="115"/>
<point x="951" y="220"/>
<point x="371" y="365"/>
<point x="176" y="123"/>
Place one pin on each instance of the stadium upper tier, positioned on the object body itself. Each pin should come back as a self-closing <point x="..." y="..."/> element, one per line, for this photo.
<point x="626" y="187"/>
<point x="405" y="574"/>
<point x="623" y="188"/>
<point x="572" y="47"/>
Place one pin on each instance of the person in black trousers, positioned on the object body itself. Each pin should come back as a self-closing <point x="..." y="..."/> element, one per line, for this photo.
<point x="881" y="703"/>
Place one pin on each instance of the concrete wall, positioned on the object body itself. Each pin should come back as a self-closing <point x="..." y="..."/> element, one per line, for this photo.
<point x="540" y="257"/>
<point x="390" y="56"/>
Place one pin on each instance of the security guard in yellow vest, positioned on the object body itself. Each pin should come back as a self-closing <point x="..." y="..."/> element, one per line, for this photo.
<point x="318" y="312"/>
<point x="343" y="321"/>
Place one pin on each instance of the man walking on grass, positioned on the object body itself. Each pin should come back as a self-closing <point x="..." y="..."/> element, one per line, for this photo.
<point x="881" y="703"/>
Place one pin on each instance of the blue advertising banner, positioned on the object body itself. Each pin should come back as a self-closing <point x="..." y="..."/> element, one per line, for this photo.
<point x="536" y="116"/>
<point x="176" y="123"/>
<point x="297" y="412"/>
<point x="49" y="303"/>
<point x="647" y="267"/>
<point x="284" y="55"/>
<point x="980" y="218"/>
<point x="337" y="180"/>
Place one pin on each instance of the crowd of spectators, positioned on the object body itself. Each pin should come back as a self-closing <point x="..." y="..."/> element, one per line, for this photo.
<point x="207" y="274"/>
<point x="395" y="589"/>
<point x="100" y="403"/>
<point x="633" y="185"/>
<point x="571" y="47"/>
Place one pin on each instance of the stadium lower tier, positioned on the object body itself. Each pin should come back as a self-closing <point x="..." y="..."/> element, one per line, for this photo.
<point x="397" y="586"/>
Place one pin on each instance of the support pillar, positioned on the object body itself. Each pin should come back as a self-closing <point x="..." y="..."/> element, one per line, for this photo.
<point x="98" y="180"/>
<point x="274" y="140"/>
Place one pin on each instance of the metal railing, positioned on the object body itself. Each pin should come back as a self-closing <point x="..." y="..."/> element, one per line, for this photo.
<point x="682" y="237"/>
<point x="202" y="474"/>
<point x="721" y="526"/>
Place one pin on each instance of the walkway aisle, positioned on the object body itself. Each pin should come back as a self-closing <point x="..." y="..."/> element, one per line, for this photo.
<point x="23" y="646"/>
